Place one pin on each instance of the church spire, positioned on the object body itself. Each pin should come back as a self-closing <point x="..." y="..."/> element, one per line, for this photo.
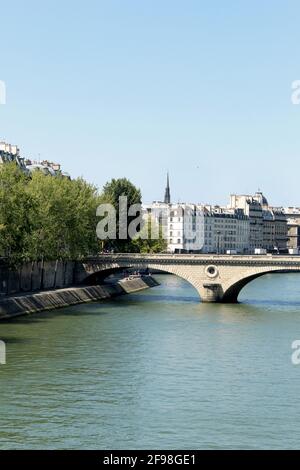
<point x="167" y="199"/>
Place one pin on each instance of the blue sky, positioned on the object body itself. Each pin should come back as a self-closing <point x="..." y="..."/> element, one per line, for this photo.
<point x="135" y="88"/>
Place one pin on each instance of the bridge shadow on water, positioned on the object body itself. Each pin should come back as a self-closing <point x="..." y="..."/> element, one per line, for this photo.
<point x="169" y="298"/>
<point x="227" y="312"/>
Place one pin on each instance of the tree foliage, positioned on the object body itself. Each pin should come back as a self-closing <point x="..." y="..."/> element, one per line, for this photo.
<point x="45" y="217"/>
<point x="111" y="194"/>
<point x="16" y="210"/>
<point x="142" y="243"/>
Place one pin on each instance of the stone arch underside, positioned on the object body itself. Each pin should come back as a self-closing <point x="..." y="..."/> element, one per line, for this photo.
<point x="232" y="292"/>
<point x="99" y="273"/>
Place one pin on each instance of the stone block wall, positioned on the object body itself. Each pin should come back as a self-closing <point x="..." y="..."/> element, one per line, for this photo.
<point x="36" y="276"/>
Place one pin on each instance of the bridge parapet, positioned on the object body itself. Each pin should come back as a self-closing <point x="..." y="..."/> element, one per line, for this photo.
<point x="200" y="259"/>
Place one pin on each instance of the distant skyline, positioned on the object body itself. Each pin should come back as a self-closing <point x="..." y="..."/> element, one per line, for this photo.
<point x="136" y="89"/>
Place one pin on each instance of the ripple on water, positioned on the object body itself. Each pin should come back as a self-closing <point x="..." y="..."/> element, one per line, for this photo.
<point x="156" y="369"/>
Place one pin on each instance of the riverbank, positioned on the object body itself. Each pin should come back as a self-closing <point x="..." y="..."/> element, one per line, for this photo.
<point x="26" y="304"/>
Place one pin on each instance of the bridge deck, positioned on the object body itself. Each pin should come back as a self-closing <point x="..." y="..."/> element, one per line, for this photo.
<point x="272" y="260"/>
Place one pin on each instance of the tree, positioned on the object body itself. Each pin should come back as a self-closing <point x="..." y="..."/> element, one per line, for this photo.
<point x="16" y="210"/>
<point x="144" y="243"/>
<point x="111" y="194"/>
<point x="46" y="217"/>
<point x="65" y="218"/>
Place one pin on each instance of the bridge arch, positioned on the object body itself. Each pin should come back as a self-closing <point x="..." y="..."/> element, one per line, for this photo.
<point x="217" y="278"/>
<point x="98" y="275"/>
<point x="232" y="293"/>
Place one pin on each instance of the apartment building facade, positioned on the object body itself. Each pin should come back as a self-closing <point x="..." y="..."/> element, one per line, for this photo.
<point x="201" y="228"/>
<point x="268" y="225"/>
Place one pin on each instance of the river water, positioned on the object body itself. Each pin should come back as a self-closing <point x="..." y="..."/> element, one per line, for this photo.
<point x="156" y="370"/>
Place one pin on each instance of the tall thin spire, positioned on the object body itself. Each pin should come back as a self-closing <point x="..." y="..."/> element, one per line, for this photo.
<point x="167" y="199"/>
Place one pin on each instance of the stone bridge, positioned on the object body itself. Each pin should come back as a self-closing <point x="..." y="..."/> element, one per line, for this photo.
<point x="217" y="278"/>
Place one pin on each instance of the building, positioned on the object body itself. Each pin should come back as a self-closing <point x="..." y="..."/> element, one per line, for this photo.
<point x="225" y="230"/>
<point x="196" y="228"/>
<point x="46" y="167"/>
<point x="293" y="223"/>
<point x="247" y="223"/>
<point x="199" y="228"/>
<point x="184" y="228"/>
<point x="253" y="208"/>
<point x="279" y="233"/>
<point x="11" y="153"/>
<point x="268" y="225"/>
<point x="8" y="151"/>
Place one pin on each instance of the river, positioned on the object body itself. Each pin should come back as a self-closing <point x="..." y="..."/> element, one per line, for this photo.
<point x="156" y="370"/>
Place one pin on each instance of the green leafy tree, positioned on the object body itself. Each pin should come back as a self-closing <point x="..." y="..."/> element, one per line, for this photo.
<point x="65" y="218"/>
<point x="16" y="211"/>
<point x="144" y="242"/>
<point x="46" y="217"/>
<point x="112" y="192"/>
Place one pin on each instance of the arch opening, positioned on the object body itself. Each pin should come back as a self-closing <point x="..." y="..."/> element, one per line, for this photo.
<point x="232" y="293"/>
<point x="99" y="276"/>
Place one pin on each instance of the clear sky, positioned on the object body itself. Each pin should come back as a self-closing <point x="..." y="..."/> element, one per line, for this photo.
<point x="137" y="87"/>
